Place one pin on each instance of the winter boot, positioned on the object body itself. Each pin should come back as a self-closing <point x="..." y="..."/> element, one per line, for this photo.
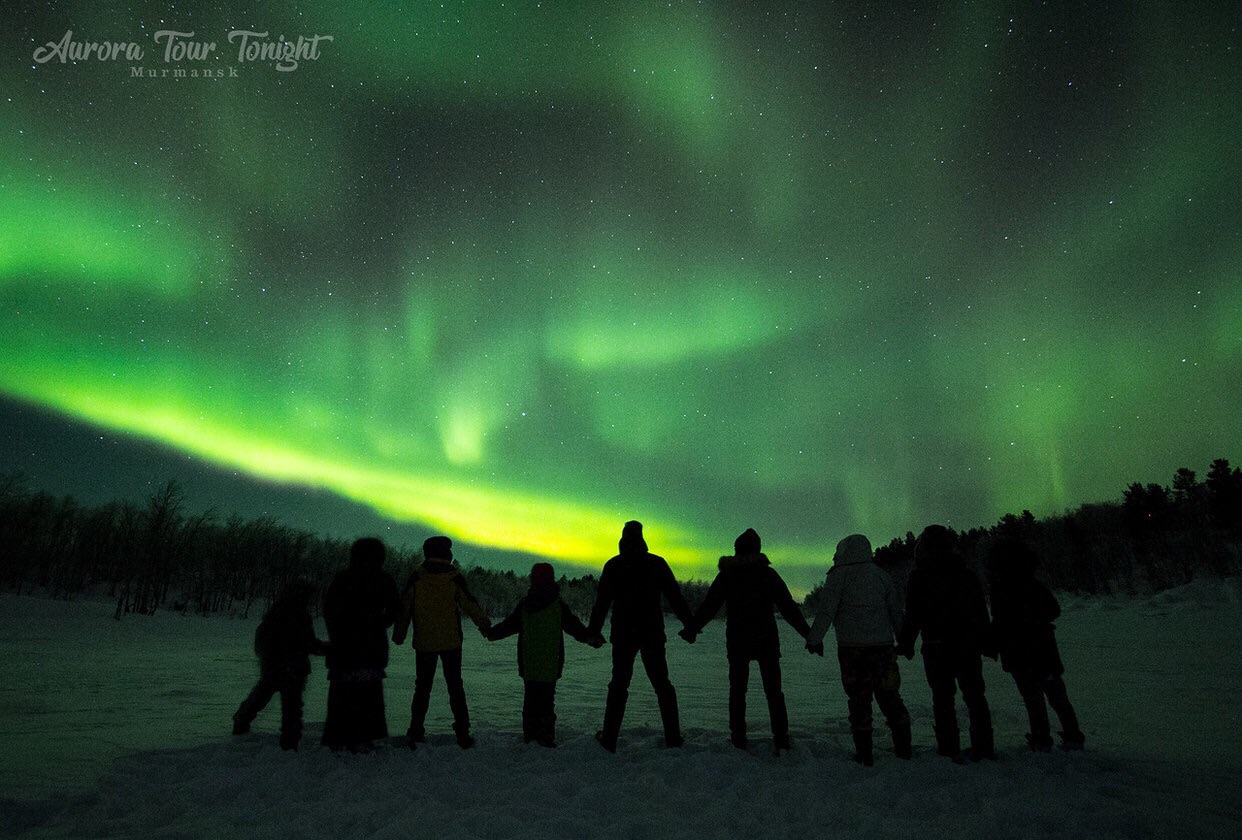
<point x="608" y="742"/>
<point x="903" y="742"/>
<point x="1072" y="740"/>
<point x="863" y="753"/>
<point x="981" y="744"/>
<point x="948" y="742"/>
<point x="1039" y="743"/>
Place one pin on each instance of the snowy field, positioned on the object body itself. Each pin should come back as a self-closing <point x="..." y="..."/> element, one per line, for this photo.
<point x="121" y="729"/>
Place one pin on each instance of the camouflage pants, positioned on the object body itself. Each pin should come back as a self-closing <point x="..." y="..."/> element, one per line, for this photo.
<point x="868" y="672"/>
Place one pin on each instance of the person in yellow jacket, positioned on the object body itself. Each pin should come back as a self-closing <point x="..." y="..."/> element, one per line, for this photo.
<point x="433" y="602"/>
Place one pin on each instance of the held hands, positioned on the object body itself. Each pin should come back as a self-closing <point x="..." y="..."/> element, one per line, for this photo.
<point x="689" y="634"/>
<point x="596" y="641"/>
<point x="816" y="648"/>
<point x="906" y="650"/>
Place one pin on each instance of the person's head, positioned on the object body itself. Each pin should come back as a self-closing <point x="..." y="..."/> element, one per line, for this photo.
<point x="747" y="543"/>
<point x="632" y="541"/>
<point x="437" y="548"/>
<point x="1010" y="558"/>
<point x="542" y="575"/>
<point x="367" y="553"/>
<point x="853" y="549"/>
<point x="297" y="592"/>
<point x="934" y="545"/>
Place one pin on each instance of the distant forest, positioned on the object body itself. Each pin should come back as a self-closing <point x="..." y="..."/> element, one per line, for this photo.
<point x="156" y="556"/>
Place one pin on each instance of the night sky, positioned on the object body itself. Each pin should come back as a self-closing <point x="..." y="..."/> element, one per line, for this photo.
<point x="518" y="273"/>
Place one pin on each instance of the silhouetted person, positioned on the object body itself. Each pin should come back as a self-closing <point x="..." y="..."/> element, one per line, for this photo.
<point x="541" y="620"/>
<point x="433" y="603"/>
<point x="859" y="599"/>
<point x="358" y="609"/>
<point x="284" y="642"/>
<point x="631" y="585"/>
<point x="751" y="591"/>
<point x="944" y="602"/>
<point x="1023" y="612"/>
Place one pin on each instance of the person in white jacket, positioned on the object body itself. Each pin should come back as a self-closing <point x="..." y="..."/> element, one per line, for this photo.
<point x="860" y="600"/>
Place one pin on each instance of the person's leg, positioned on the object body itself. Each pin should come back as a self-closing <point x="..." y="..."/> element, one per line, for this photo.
<point x="528" y="711"/>
<point x="451" y="661"/>
<point x="739" y="677"/>
<point x="655" y="664"/>
<point x="970" y="678"/>
<point x="1058" y="698"/>
<point x="856" y="680"/>
<point x="424" y="675"/>
<point x="940" y="679"/>
<point x="778" y="713"/>
<point x="255" y="702"/>
<point x="618" y="693"/>
<point x="543" y="712"/>
<point x="1032" y="693"/>
<point x="291" y="693"/>
<point x="886" y="678"/>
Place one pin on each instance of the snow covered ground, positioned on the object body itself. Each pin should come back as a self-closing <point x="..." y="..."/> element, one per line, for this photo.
<point x="121" y="729"/>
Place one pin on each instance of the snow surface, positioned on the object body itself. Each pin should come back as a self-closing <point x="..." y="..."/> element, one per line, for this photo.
<point x="121" y="729"/>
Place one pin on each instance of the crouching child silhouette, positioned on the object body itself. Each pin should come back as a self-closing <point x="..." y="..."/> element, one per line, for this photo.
<point x="284" y="642"/>
<point x="540" y="621"/>
<point x="1023" y="612"/>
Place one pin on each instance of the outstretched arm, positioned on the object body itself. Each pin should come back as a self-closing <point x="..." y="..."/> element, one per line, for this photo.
<point x="603" y="601"/>
<point x="405" y="615"/>
<point x="786" y="604"/>
<point x="829" y="603"/>
<point x="506" y="628"/>
<point x="468" y="604"/>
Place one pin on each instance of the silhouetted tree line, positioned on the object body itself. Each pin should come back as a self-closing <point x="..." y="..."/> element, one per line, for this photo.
<point x="156" y="556"/>
<point x="1156" y="538"/>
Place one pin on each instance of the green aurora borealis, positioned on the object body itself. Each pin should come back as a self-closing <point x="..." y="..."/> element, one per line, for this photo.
<point x="520" y="273"/>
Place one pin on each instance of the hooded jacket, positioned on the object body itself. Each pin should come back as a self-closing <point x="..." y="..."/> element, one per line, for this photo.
<point x="540" y="621"/>
<point x="285" y="638"/>
<point x="433" y="602"/>
<point x="944" y="599"/>
<point x="751" y="591"/>
<point x="859" y="598"/>
<point x="358" y="609"/>
<point x="632" y="584"/>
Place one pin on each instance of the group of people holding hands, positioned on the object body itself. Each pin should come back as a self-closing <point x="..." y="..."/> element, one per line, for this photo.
<point x="944" y="604"/>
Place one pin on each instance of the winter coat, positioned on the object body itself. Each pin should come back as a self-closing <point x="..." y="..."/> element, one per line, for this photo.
<point x="540" y="621"/>
<point x="945" y="603"/>
<point x="1023" y="612"/>
<point x="751" y="591"/>
<point x="631" y="585"/>
<point x="433" y="603"/>
<point x="285" y="640"/>
<point x="358" y="608"/>
<point x="858" y="598"/>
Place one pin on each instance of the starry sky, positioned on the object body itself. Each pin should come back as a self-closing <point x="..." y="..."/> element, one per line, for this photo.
<point x="520" y="272"/>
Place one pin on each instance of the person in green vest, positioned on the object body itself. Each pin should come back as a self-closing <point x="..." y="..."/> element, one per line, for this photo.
<point x="540" y="621"/>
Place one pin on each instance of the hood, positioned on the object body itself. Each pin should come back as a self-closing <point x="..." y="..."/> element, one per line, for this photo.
<point x="852" y="550"/>
<point x="935" y="548"/>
